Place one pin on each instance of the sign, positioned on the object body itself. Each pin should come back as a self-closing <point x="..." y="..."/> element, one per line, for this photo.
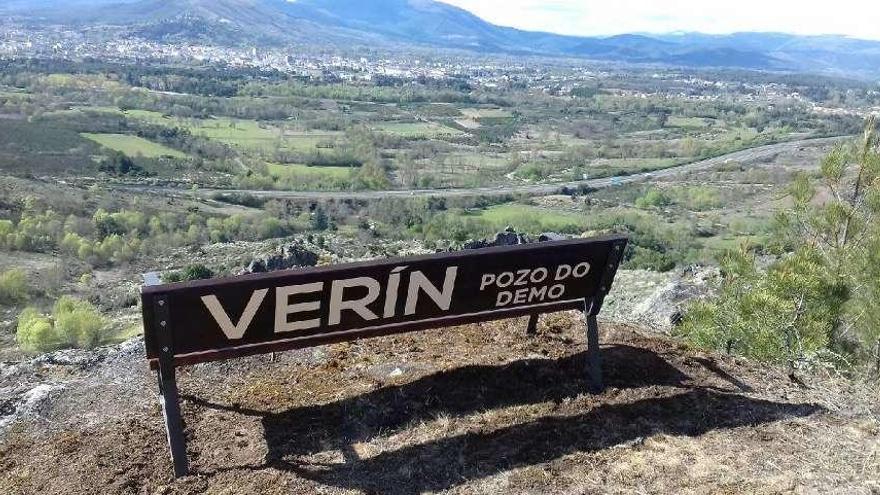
<point x="213" y="319"/>
<point x="208" y="320"/>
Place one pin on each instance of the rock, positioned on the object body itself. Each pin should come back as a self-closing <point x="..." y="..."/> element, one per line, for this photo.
<point x="552" y="236"/>
<point x="27" y="403"/>
<point x="289" y="256"/>
<point x="75" y="386"/>
<point x="476" y="244"/>
<point x="658" y="300"/>
<point x="507" y="237"/>
<point x="256" y="266"/>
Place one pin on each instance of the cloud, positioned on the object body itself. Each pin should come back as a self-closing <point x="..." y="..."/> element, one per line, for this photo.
<point x="856" y="18"/>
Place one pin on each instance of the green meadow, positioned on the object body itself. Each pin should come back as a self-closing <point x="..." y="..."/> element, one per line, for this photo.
<point x="133" y="145"/>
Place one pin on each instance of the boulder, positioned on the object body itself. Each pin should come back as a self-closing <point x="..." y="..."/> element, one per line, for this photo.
<point x="552" y="236"/>
<point x="507" y="237"/>
<point x="658" y="301"/>
<point x="287" y="257"/>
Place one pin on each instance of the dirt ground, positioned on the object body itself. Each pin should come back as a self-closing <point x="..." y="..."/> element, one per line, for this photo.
<point x="473" y="409"/>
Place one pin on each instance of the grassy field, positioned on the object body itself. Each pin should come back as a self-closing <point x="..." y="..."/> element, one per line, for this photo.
<point x="617" y="166"/>
<point x="477" y="161"/>
<point x="243" y="133"/>
<point x="529" y="218"/>
<point x="309" y="141"/>
<point x="485" y="113"/>
<point x="299" y="177"/>
<point x="293" y="169"/>
<point x="691" y="122"/>
<point x="417" y="130"/>
<point x="133" y="145"/>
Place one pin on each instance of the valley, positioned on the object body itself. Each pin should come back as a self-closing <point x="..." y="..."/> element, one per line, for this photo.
<point x="168" y="142"/>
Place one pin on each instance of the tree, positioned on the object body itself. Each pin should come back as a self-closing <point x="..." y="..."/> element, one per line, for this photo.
<point x="319" y="220"/>
<point x="843" y="229"/>
<point x="821" y="299"/>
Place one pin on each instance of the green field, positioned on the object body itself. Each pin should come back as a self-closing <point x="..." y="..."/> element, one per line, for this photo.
<point x="688" y="122"/>
<point x="246" y="133"/>
<point x="133" y="145"/>
<point x="417" y="130"/>
<point x="475" y="160"/>
<point x="299" y="170"/>
<point x="309" y="141"/>
<point x="485" y="113"/>
<point x="616" y="166"/>
<point x="529" y="218"/>
<point x="298" y="177"/>
<point x="243" y="133"/>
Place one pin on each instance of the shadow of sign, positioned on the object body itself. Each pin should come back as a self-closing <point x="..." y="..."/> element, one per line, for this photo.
<point x="444" y="463"/>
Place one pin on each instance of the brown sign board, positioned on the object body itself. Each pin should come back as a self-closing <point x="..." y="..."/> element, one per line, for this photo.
<point x="252" y="314"/>
<point x="208" y="320"/>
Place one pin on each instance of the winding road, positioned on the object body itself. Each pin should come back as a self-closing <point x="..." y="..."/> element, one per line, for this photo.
<point x="747" y="155"/>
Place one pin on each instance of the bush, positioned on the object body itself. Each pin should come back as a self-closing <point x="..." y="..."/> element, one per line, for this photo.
<point x="783" y="314"/>
<point x="653" y="198"/>
<point x="13" y="286"/>
<point x="74" y="323"/>
<point x="78" y="323"/>
<point x="36" y="333"/>
<point x="192" y="272"/>
<point x="197" y="272"/>
<point x="697" y="198"/>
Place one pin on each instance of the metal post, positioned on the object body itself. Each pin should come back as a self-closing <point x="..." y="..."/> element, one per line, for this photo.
<point x="532" y="329"/>
<point x="168" y="395"/>
<point x="594" y="356"/>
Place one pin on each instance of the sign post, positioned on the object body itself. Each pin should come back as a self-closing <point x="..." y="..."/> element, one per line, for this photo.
<point x="168" y="394"/>
<point x="209" y="320"/>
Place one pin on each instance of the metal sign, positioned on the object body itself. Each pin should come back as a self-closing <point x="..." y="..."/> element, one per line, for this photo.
<point x="209" y="320"/>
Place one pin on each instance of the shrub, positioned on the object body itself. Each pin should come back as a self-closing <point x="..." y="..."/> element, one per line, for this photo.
<point x="78" y="323"/>
<point x="783" y="314"/>
<point x="197" y="272"/>
<point x="192" y="272"/>
<point x="319" y="221"/>
<point x="653" y="198"/>
<point x="35" y="332"/>
<point x="698" y="198"/>
<point x="13" y="286"/>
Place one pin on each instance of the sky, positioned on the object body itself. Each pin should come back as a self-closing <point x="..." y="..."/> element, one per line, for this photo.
<point x="855" y="18"/>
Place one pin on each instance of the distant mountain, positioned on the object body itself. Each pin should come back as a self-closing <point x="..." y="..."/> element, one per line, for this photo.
<point x="430" y="23"/>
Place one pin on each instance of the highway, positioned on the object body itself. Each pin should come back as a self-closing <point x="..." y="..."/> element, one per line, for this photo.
<point x="745" y="156"/>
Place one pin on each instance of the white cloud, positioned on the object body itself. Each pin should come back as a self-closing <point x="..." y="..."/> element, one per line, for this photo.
<point x="856" y="18"/>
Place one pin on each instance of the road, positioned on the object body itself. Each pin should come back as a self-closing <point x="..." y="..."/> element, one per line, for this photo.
<point x="751" y="154"/>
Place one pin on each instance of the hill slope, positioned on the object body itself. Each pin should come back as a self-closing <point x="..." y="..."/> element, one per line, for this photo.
<point x="439" y="25"/>
<point x="472" y="409"/>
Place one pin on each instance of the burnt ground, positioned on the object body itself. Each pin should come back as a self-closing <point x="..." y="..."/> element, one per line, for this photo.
<point x="472" y="409"/>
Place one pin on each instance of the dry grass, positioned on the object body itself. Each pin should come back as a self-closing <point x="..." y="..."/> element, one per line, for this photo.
<point x="479" y="409"/>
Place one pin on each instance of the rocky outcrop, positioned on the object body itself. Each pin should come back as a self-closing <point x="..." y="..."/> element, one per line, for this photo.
<point x="552" y="236"/>
<point x="655" y="300"/>
<point x="75" y="386"/>
<point x="510" y="237"/>
<point x="289" y="256"/>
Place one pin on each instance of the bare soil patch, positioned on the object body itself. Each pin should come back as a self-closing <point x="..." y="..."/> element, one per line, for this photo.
<point x="472" y="409"/>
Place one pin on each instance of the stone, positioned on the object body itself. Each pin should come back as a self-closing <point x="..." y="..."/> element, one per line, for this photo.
<point x="287" y="257"/>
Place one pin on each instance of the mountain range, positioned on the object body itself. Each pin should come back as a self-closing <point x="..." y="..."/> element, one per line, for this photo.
<point x="437" y="25"/>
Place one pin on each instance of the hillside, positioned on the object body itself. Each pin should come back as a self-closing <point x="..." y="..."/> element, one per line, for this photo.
<point x="428" y="23"/>
<point x="473" y="409"/>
